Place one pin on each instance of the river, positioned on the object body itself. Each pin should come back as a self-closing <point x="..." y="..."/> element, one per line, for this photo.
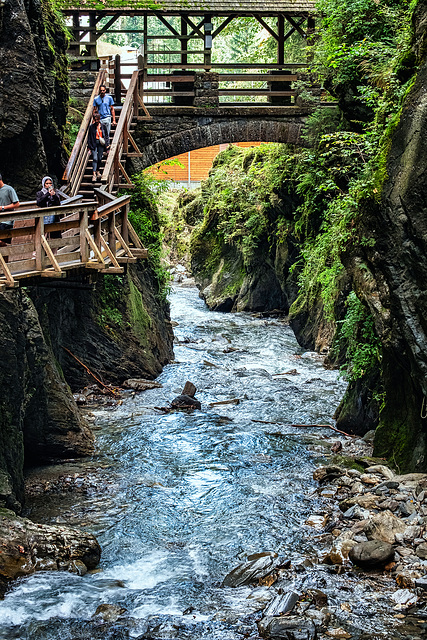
<point x="177" y="500"/>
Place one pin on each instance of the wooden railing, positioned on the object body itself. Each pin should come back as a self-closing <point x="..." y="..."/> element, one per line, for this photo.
<point x="92" y="236"/>
<point x="272" y="81"/>
<point x="76" y="165"/>
<point x="123" y="141"/>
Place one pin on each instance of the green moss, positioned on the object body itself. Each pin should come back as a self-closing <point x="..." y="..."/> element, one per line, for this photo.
<point x="141" y="320"/>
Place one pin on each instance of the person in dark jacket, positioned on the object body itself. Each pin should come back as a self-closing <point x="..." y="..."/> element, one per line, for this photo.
<point x="97" y="143"/>
<point x="48" y="197"/>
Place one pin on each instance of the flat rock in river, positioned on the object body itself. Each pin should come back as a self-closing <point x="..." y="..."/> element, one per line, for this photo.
<point x="257" y="566"/>
<point x="285" y="629"/>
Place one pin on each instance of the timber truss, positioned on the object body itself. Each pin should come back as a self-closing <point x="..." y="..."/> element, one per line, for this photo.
<point x="198" y="20"/>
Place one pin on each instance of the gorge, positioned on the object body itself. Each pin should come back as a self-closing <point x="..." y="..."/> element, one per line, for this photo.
<point x="330" y="235"/>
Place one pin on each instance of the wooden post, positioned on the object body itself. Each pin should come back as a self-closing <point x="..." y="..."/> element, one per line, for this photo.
<point x="97" y="224"/>
<point x="281" y="39"/>
<point x="311" y="25"/>
<point x="207" y="25"/>
<point x="144" y="53"/>
<point x="92" y="34"/>
<point x="125" y="230"/>
<point x="111" y="232"/>
<point x="116" y="169"/>
<point x="125" y="137"/>
<point x="184" y="41"/>
<point x="84" y="249"/>
<point x="38" y="232"/>
<point x="117" y="81"/>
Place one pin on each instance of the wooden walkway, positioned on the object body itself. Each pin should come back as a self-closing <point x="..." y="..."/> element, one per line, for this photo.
<point x="94" y="228"/>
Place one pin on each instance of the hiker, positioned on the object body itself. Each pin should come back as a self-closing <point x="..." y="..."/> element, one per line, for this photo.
<point x="8" y="201"/>
<point x="103" y="104"/>
<point x="97" y="143"/>
<point x="48" y="197"/>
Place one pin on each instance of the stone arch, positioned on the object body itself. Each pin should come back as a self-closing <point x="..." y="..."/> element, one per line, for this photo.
<point x="213" y="133"/>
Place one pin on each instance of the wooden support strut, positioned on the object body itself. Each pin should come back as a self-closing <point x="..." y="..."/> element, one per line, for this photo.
<point x="57" y="271"/>
<point x="9" y="278"/>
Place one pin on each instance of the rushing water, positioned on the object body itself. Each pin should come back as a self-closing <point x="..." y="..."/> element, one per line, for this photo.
<point x="177" y="500"/>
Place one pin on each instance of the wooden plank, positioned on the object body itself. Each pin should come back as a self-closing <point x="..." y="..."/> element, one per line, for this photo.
<point x="113" y="270"/>
<point x="173" y="65"/>
<point x="253" y="92"/>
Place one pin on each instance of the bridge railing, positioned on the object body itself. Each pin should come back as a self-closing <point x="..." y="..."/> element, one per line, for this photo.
<point x="77" y="162"/>
<point x="192" y="84"/>
<point x="123" y="143"/>
<point x="91" y="236"/>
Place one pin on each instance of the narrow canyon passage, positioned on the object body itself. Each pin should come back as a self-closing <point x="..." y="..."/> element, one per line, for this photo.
<point x="178" y="500"/>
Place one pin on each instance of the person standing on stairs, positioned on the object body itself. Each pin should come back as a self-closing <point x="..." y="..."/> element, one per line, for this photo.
<point x="97" y="143"/>
<point x="103" y="104"/>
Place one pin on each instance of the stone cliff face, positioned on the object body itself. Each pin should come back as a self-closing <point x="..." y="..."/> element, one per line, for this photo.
<point x="119" y="329"/>
<point x="394" y="282"/>
<point x="39" y="419"/>
<point x="33" y="93"/>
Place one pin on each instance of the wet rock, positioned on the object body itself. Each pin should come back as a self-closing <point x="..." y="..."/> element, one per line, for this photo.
<point x="140" y="384"/>
<point x="185" y="402"/>
<point x="381" y="469"/>
<point x="404" y="598"/>
<point x="109" y="612"/>
<point x="406" y="509"/>
<point x="283" y="628"/>
<point x="320" y="618"/>
<point x="27" y="547"/>
<point x="373" y="553"/>
<point x="384" y="526"/>
<point x="326" y="474"/>
<point x="407" y="579"/>
<point x="338" y="632"/>
<point x="282" y="604"/>
<point x="339" y="553"/>
<point x="257" y="566"/>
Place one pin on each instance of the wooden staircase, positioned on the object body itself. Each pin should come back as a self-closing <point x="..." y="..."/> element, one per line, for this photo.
<point x="78" y="173"/>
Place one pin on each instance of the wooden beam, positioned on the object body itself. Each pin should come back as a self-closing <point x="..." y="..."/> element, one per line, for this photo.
<point x="109" y="253"/>
<point x="222" y="26"/>
<point x="134" y="236"/>
<point x="49" y="253"/>
<point x="166" y="23"/>
<point x="94" y="248"/>
<point x="10" y="282"/>
<point x="266" y="26"/>
<point x="296" y="25"/>
<point x="123" y="244"/>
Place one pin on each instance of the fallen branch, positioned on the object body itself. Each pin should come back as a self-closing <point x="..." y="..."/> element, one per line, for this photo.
<point x="110" y="390"/>
<point x="233" y="401"/>
<point x="326" y="426"/>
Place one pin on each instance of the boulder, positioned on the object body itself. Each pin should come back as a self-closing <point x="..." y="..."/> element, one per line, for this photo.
<point x="384" y="526"/>
<point x="421" y="551"/>
<point x="373" y="553"/>
<point x="286" y="629"/>
<point x="185" y="402"/>
<point x="257" y="566"/>
<point x="27" y="547"/>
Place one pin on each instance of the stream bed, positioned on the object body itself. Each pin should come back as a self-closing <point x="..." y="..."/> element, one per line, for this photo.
<point x="177" y="500"/>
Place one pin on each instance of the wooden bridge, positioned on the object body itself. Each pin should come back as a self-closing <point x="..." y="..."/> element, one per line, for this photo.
<point x="94" y="228"/>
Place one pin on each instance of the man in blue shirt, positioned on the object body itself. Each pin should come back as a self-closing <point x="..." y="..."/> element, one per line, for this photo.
<point x="103" y="104"/>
